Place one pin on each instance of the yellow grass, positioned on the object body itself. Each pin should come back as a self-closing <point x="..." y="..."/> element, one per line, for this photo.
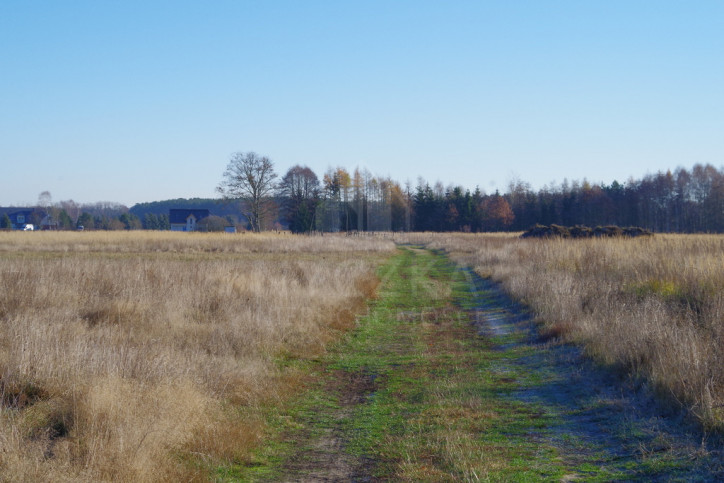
<point x="652" y="306"/>
<point x="174" y="242"/>
<point x="146" y="356"/>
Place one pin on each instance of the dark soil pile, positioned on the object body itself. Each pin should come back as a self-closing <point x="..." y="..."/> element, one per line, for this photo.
<point x="580" y="231"/>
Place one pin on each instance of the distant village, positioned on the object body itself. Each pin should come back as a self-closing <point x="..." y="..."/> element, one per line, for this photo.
<point x="682" y="201"/>
<point x="112" y="216"/>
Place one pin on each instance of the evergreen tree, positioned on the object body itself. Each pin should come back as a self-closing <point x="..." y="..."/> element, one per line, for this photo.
<point x="150" y="222"/>
<point x="163" y="222"/>
<point x="64" y="221"/>
<point x="5" y="222"/>
<point x="130" y="221"/>
<point x="86" y="221"/>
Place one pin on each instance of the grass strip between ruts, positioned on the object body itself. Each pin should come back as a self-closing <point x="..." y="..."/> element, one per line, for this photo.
<point x="414" y="393"/>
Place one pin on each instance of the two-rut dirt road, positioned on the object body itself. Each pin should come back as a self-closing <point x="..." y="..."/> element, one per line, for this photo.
<point x="445" y="379"/>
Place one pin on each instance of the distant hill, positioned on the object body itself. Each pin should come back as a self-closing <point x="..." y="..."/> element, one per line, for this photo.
<point x="215" y="206"/>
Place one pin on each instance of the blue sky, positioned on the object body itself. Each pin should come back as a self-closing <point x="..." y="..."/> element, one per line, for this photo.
<point x="134" y="101"/>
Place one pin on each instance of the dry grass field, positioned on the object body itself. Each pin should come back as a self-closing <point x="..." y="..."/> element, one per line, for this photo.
<point x="652" y="307"/>
<point x="144" y="356"/>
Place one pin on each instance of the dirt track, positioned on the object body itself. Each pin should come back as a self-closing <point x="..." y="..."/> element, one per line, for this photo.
<point x="597" y="418"/>
<point x="324" y="456"/>
<point x="599" y="426"/>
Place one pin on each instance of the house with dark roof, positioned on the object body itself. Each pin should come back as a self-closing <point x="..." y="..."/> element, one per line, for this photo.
<point x="21" y="219"/>
<point x="185" y="220"/>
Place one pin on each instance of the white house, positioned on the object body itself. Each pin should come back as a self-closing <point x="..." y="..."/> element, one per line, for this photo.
<point x="186" y="220"/>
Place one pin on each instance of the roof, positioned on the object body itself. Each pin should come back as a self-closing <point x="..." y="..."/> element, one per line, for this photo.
<point x="180" y="215"/>
<point x="25" y="213"/>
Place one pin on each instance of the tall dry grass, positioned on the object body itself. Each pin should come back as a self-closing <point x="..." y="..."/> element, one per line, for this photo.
<point x="653" y="307"/>
<point x="140" y="357"/>
<point x="174" y="242"/>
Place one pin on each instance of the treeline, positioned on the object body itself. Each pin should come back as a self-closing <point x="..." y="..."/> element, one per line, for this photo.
<point x="359" y="201"/>
<point x="154" y="215"/>
<point x="159" y="208"/>
<point x="680" y="201"/>
<point x="69" y="215"/>
<point x="687" y="201"/>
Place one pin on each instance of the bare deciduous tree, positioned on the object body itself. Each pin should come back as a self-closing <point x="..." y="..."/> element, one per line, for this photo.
<point x="249" y="177"/>
<point x="45" y="200"/>
<point x="72" y="208"/>
<point x="300" y="189"/>
<point x="300" y="183"/>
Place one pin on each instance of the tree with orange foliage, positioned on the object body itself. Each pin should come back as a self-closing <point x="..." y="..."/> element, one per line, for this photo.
<point x="496" y="213"/>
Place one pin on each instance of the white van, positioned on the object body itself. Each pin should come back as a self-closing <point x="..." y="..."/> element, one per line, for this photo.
<point x="28" y="227"/>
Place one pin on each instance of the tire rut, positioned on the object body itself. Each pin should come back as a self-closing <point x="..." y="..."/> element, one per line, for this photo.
<point x="324" y="456"/>
<point x="597" y="418"/>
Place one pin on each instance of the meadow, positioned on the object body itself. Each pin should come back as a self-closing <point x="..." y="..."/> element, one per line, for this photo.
<point x="151" y="356"/>
<point x="651" y="308"/>
<point x="142" y="356"/>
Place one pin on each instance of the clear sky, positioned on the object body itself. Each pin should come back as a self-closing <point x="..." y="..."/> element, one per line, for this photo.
<point x="133" y="101"/>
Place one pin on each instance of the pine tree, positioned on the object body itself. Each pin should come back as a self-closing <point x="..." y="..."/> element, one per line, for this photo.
<point x="5" y="222"/>
<point x="150" y="221"/>
<point x="163" y="222"/>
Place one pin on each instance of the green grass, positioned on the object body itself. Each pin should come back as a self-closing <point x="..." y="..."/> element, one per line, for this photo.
<point x="436" y="401"/>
